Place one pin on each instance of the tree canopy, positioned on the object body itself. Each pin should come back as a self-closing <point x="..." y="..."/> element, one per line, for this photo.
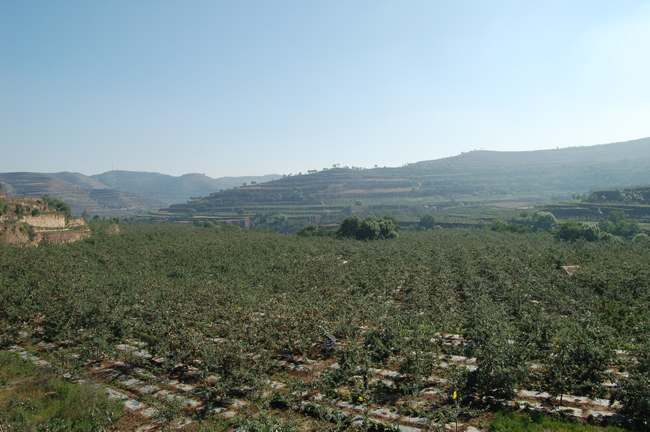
<point x="370" y="228"/>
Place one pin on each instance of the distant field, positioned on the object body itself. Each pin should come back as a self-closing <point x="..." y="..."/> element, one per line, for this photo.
<point x="510" y="204"/>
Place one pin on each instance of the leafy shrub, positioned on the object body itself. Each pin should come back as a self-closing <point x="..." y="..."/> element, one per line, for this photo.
<point x="577" y="361"/>
<point x="571" y="230"/>
<point x="370" y="228"/>
<point x="619" y="224"/>
<point x="314" y="231"/>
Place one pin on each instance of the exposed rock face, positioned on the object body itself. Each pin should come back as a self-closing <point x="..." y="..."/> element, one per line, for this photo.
<point x="62" y="236"/>
<point x="48" y="220"/>
<point x="76" y="222"/>
<point x="50" y="227"/>
<point x="12" y="234"/>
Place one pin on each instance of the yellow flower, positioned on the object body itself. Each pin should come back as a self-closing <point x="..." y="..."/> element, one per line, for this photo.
<point x="557" y="346"/>
<point x="455" y="395"/>
<point x="360" y="398"/>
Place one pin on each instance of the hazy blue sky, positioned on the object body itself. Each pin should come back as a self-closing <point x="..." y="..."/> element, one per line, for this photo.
<point x="255" y="87"/>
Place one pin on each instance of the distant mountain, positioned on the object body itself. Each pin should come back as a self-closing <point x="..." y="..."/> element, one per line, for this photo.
<point x="555" y="159"/>
<point x="80" y="180"/>
<point x="477" y="176"/>
<point x="172" y="189"/>
<point x="120" y="192"/>
<point x="95" y="200"/>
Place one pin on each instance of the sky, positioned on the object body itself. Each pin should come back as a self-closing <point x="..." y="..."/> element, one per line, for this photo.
<point x="233" y="88"/>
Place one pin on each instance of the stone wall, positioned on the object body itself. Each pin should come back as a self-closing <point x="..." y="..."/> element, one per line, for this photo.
<point x="47" y="220"/>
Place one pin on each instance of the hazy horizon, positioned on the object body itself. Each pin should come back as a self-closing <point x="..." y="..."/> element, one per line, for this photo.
<point x="246" y="89"/>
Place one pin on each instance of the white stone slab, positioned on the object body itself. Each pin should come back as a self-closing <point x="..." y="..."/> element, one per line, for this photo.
<point x="185" y="387"/>
<point x="149" y="412"/>
<point x="390" y="374"/>
<point x="533" y="394"/>
<point x="147" y="389"/>
<point x="530" y="406"/>
<point x="420" y="421"/>
<point x="181" y="423"/>
<point x="125" y="348"/>
<point x="277" y="385"/>
<point x="115" y="395"/>
<point x="403" y="428"/>
<point x="575" y="412"/>
<point x="384" y="413"/>
<point x="133" y="404"/>
<point x="574" y="399"/>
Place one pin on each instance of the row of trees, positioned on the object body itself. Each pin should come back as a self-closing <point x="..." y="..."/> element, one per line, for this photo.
<point x="538" y="222"/>
<point x="370" y="228"/>
<point x="618" y="224"/>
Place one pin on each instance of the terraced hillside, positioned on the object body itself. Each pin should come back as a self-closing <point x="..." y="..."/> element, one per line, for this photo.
<point x="478" y="177"/>
<point x="94" y="200"/>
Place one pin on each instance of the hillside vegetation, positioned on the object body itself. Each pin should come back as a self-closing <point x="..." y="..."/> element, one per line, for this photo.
<point x="474" y="178"/>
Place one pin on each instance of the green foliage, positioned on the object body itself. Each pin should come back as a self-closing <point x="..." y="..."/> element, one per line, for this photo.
<point x="578" y="359"/>
<point x="349" y="227"/>
<point x="633" y="392"/>
<point x="36" y="211"/>
<point x="499" y="225"/>
<point x="538" y="422"/>
<point x="501" y="362"/>
<point x="19" y="211"/>
<point x="619" y="224"/>
<point x="241" y="303"/>
<point x="543" y="221"/>
<point x="571" y="230"/>
<point x="266" y="423"/>
<point x="314" y="231"/>
<point x="427" y="222"/>
<point x="29" y="230"/>
<point x="370" y="228"/>
<point x="58" y="205"/>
